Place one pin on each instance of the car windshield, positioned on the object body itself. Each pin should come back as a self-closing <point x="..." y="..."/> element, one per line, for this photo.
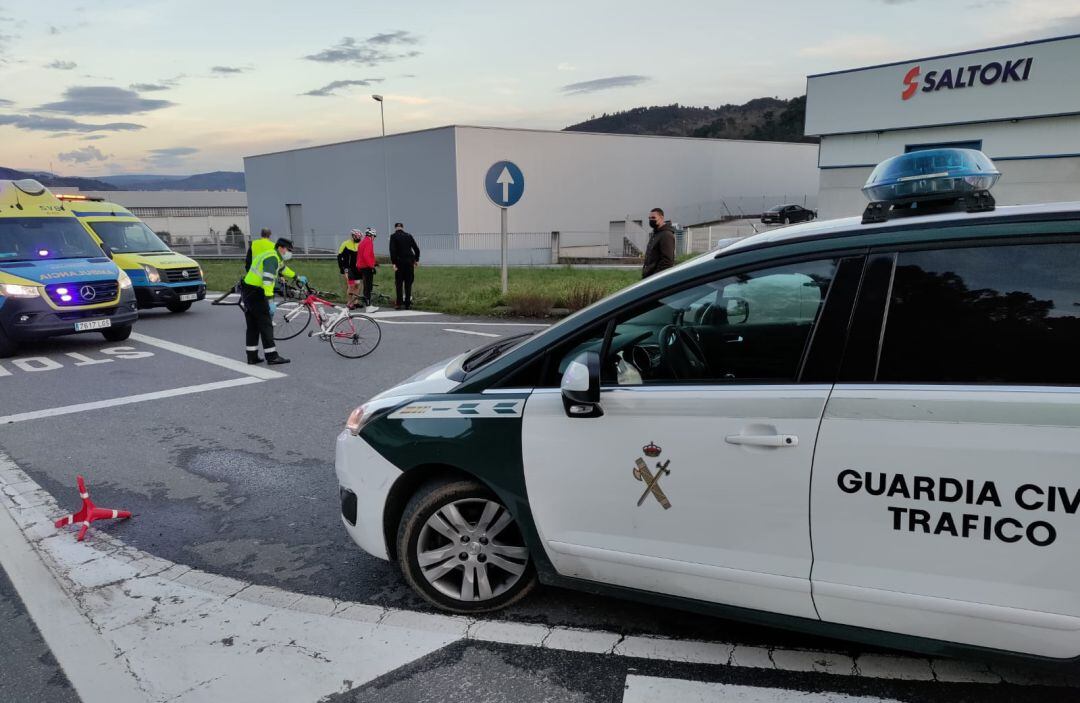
<point x="45" y="238"/>
<point x="128" y="237"/>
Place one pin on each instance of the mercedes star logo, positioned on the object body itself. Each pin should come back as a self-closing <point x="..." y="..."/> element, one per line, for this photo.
<point x="186" y="274"/>
<point x="87" y="293"/>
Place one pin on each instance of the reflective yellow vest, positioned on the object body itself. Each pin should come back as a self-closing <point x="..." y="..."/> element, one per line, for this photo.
<point x="263" y="271"/>
<point x="263" y="245"/>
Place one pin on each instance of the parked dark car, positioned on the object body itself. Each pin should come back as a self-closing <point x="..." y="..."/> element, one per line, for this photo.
<point x="787" y="214"/>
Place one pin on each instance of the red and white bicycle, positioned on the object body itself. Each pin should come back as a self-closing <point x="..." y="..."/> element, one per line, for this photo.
<point x="351" y="334"/>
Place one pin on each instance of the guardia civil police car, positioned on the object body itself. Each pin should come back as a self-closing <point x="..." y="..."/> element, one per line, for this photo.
<point x="867" y="428"/>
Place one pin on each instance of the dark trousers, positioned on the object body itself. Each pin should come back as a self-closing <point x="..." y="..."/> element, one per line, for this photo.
<point x="368" y="277"/>
<point x="403" y="280"/>
<point x="259" y="322"/>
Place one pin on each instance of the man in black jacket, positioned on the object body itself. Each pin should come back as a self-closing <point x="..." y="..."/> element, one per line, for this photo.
<point x="405" y="257"/>
<point x="660" y="251"/>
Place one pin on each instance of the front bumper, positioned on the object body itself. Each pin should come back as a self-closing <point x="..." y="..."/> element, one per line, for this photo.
<point x="365" y="479"/>
<point x="156" y="295"/>
<point x="33" y="318"/>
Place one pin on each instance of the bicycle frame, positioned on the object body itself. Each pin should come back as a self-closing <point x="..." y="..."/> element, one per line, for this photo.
<point x="325" y="323"/>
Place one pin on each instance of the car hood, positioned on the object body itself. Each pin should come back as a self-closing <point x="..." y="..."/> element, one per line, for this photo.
<point x="429" y="381"/>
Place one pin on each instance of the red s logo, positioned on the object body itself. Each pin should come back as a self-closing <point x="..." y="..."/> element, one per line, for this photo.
<point x="912" y="83"/>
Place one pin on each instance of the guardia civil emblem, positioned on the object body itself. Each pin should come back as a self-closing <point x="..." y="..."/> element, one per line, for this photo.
<point x="652" y="481"/>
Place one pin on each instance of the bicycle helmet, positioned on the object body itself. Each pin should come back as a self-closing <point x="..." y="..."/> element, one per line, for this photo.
<point x="370" y="231"/>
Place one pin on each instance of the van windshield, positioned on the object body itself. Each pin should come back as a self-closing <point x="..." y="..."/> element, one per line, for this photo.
<point x="44" y="239"/>
<point x="128" y="237"/>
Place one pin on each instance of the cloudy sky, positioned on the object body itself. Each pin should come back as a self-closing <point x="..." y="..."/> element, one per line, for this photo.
<point x="94" y="87"/>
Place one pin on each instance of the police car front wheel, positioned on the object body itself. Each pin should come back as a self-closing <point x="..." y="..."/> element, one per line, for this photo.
<point x="462" y="550"/>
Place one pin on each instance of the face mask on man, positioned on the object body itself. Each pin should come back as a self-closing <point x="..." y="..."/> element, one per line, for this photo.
<point x="285" y="256"/>
<point x="653" y="223"/>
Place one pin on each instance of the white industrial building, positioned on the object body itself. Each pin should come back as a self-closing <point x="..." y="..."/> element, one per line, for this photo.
<point x="593" y="189"/>
<point x="190" y="217"/>
<point x="1020" y="104"/>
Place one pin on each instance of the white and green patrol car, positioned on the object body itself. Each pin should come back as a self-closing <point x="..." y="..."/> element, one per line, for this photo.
<point x="866" y="428"/>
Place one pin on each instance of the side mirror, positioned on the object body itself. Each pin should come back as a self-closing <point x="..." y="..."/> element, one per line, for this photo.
<point x="108" y="250"/>
<point x="738" y="310"/>
<point x="581" y="386"/>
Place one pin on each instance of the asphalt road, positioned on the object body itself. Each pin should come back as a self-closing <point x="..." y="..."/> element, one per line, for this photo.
<point x="238" y="479"/>
<point x="28" y="670"/>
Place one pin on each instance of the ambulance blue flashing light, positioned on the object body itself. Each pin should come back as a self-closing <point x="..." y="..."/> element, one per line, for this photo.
<point x="933" y="174"/>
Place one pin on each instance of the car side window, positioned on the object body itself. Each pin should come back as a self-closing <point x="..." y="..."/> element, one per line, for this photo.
<point x="1001" y="315"/>
<point x="746" y="328"/>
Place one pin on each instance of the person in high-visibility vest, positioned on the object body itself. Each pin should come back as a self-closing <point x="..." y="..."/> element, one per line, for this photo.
<point x="264" y="244"/>
<point x="257" y="292"/>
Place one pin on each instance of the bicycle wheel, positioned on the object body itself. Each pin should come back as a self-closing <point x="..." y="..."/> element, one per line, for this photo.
<point x="290" y="319"/>
<point x="355" y="336"/>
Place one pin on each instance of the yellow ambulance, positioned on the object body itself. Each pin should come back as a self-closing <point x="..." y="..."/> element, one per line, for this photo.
<point x="162" y="277"/>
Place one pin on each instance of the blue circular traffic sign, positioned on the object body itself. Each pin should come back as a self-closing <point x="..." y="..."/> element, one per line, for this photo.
<point x="504" y="183"/>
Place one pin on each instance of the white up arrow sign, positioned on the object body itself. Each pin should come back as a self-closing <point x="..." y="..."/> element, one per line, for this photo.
<point x="505" y="180"/>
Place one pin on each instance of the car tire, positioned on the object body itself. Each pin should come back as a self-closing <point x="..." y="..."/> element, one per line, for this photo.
<point x="179" y="307"/>
<point x="117" y="334"/>
<point x="8" y="346"/>
<point x="445" y="521"/>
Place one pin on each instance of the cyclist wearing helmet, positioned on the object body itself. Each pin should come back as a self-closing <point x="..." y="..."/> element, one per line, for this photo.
<point x="346" y="259"/>
<point x="365" y="262"/>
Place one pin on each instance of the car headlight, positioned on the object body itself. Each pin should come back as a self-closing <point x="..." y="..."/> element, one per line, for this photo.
<point x="125" y="280"/>
<point x="365" y="413"/>
<point x="152" y="274"/>
<point x="14" y="290"/>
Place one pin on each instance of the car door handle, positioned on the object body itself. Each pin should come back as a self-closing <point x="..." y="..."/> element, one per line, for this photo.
<point x="763" y="440"/>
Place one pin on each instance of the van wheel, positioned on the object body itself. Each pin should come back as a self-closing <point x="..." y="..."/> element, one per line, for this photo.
<point x="7" y="345"/>
<point x="462" y="550"/>
<point x="179" y="307"/>
<point x="117" y="334"/>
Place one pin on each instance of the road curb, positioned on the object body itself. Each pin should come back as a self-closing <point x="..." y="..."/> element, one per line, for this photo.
<point x="117" y="588"/>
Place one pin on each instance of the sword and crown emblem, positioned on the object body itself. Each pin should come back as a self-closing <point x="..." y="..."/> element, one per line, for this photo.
<point x="652" y="481"/>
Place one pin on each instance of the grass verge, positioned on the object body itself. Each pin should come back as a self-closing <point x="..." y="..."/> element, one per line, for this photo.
<point x="460" y="290"/>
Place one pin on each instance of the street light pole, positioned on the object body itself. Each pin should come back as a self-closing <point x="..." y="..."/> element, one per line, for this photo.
<point x="386" y="168"/>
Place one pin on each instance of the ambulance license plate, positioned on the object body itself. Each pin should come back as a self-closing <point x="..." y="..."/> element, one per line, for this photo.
<point x="188" y="296"/>
<point x="92" y="325"/>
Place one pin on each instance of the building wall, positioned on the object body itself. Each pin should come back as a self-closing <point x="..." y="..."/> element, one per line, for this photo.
<point x="581" y="182"/>
<point x="1001" y="140"/>
<point x="341" y="187"/>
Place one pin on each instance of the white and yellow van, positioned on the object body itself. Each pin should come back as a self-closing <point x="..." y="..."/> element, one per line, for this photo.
<point x="162" y="277"/>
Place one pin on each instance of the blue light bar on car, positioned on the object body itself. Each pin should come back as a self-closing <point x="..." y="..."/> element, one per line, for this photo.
<point x="932" y="174"/>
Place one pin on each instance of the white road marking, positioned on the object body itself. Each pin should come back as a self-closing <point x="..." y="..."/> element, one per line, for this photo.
<point x="87" y="658"/>
<point x="462" y="324"/>
<point x="145" y="607"/>
<point x="651" y="689"/>
<point x="127" y="400"/>
<point x="478" y="334"/>
<point x="216" y="359"/>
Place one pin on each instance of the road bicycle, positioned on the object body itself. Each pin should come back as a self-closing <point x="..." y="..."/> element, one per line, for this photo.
<point x="285" y="290"/>
<point x="351" y="334"/>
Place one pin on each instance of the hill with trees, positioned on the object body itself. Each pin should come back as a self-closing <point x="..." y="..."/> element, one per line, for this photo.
<point x="764" y="119"/>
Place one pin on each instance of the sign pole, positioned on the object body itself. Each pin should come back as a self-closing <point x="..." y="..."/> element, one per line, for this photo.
<point x="503" y="243"/>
